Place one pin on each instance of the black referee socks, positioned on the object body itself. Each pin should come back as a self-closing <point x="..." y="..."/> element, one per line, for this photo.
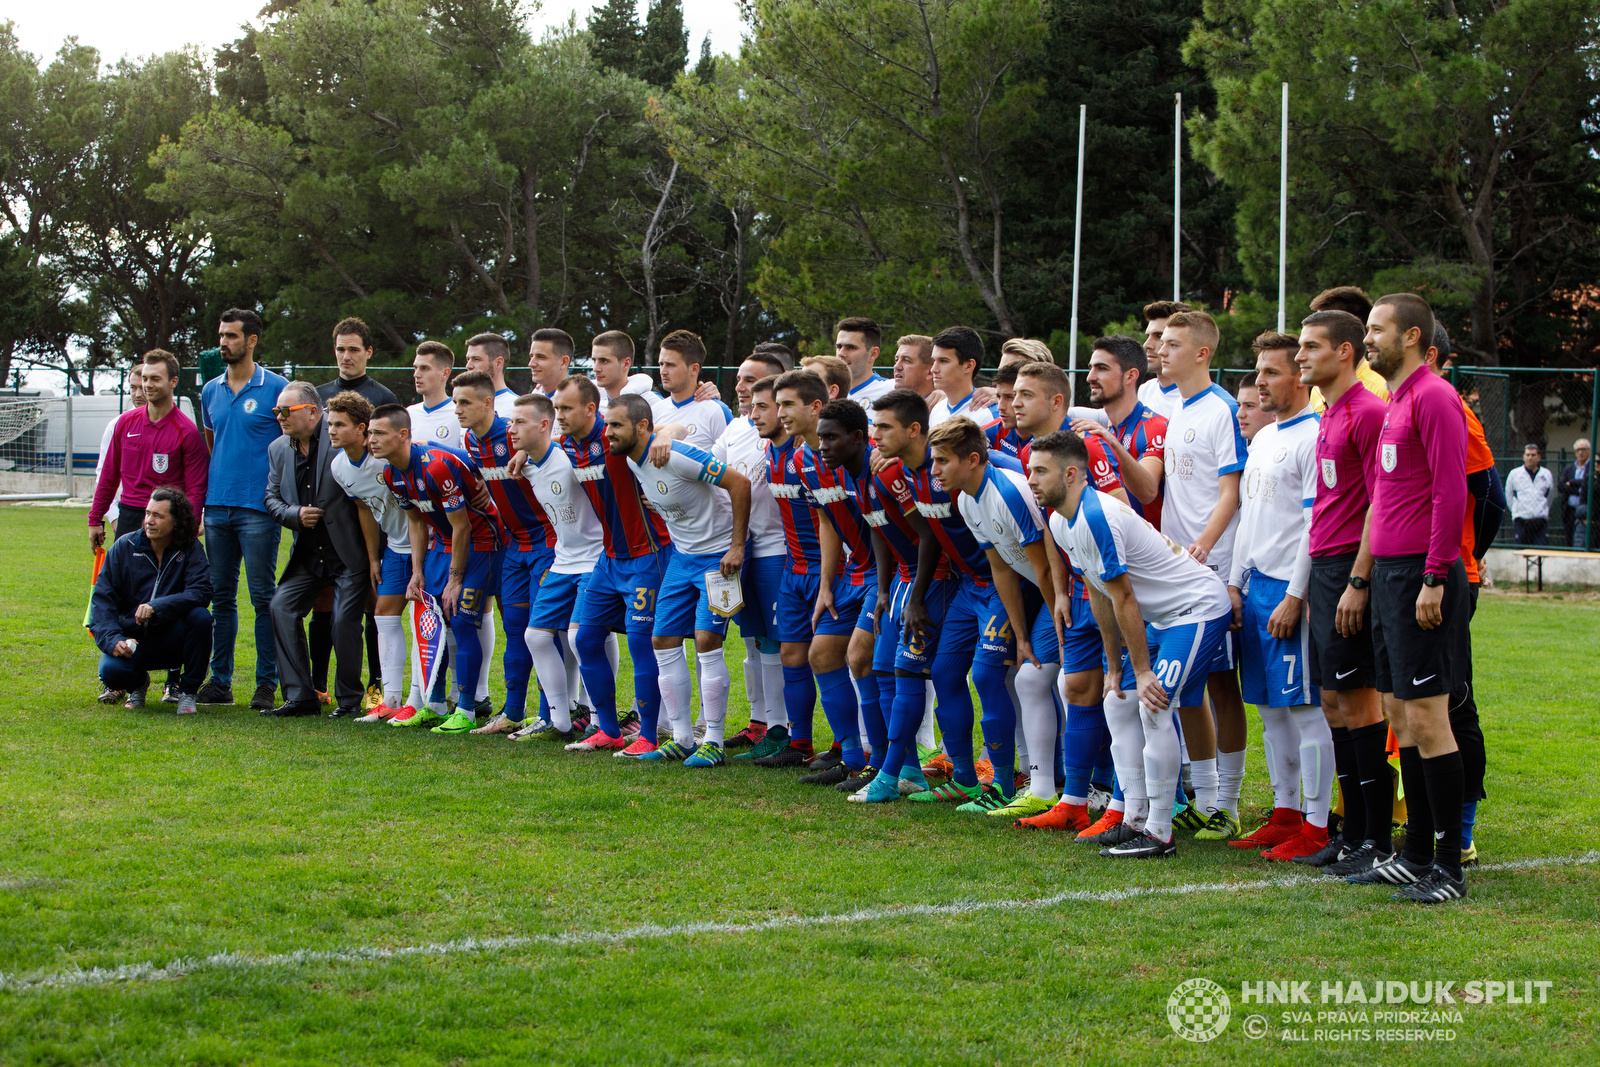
<point x="1445" y="777"/>
<point x="1370" y="746"/>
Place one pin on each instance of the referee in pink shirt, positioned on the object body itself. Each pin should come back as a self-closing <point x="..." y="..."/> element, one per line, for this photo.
<point x="151" y="447"/>
<point x="1419" y="595"/>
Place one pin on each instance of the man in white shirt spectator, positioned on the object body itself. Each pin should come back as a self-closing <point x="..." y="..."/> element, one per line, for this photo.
<point x="1528" y="490"/>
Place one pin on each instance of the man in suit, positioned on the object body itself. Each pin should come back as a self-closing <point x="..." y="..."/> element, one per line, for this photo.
<point x="1573" y="489"/>
<point x="330" y="551"/>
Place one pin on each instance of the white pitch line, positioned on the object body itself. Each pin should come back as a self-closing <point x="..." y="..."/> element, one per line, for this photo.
<point x="184" y="966"/>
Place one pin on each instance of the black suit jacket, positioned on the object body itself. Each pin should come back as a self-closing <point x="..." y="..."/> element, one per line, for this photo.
<point x="338" y="510"/>
<point x="1571" y="485"/>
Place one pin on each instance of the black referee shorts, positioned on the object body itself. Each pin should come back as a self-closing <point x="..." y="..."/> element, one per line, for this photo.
<point x="1337" y="662"/>
<point x="1413" y="663"/>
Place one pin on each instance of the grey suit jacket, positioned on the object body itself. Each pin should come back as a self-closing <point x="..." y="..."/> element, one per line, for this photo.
<point x="338" y="510"/>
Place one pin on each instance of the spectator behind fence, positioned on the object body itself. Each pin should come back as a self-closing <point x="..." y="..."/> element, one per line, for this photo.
<point x="150" y="603"/>
<point x="152" y="446"/>
<point x="352" y="350"/>
<point x="1574" y="492"/>
<point x="1529" y="489"/>
<point x="330" y="552"/>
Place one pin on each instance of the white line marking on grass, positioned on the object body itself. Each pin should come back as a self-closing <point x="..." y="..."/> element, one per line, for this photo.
<point x="235" y="961"/>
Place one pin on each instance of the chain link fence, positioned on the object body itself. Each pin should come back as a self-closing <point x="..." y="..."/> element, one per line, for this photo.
<point x="33" y="435"/>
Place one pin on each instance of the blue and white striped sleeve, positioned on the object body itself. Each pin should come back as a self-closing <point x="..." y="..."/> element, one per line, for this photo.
<point x="695" y="463"/>
<point x="1026" y="517"/>
<point x="1109" y="564"/>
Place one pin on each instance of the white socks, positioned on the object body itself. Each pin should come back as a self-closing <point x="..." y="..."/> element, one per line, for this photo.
<point x="1230" y="780"/>
<point x="754" y="684"/>
<point x="1316" y="761"/>
<point x="674" y="681"/>
<point x="925" y="735"/>
<point x="551" y="671"/>
<point x="1281" y="743"/>
<point x="392" y="656"/>
<point x="486" y="629"/>
<point x="1203" y="772"/>
<point x="1039" y="721"/>
<point x="1161" y="767"/>
<point x="714" y="684"/>
<point x="772" y="686"/>
<point x="1127" y="751"/>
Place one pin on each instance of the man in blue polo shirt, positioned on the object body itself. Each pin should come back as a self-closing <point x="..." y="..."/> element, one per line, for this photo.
<point x="236" y="413"/>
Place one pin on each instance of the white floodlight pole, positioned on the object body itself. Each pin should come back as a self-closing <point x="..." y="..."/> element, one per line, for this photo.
<point x="1177" y="193"/>
<point x="1283" y="211"/>
<point x="1077" y="252"/>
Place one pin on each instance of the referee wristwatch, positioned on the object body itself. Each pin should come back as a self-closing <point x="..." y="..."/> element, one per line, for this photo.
<point x="1432" y="580"/>
<point x="1358" y="582"/>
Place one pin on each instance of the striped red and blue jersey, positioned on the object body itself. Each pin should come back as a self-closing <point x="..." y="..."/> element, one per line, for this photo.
<point x="886" y="503"/>
<point x="1144" y="433"/>
<point x="834" y="491"/>
<point x="1007" y="442"/>
<point x="1102" y="464"/>
<point x="938" y="506"/>
<point x="523" y="516"/>
<point x="794" y="507"/>
<point x="440" y="480"/>
<point x="631" y="530"/>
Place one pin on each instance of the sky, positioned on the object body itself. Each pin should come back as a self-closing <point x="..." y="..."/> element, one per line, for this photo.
<point x="146" y="27"/>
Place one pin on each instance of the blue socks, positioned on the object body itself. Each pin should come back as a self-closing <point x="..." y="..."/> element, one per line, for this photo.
<point x="840" y="706"/>
<point x="469" y="656"/>
<point x="999" y="723"/>
<point x="954" y="712"/>
<point x="1081" y="742"/>
<point x="910" y="700"/>
<point x="646" y="683"/>
<point x="517" y="660"/>
<point x="872" y="714"/>
<point x="799" y="700"/>
<point x="595" y="668"/>
<point x="1469" y="816"/>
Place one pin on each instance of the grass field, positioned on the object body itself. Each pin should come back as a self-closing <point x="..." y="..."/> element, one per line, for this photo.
<point x="307" y="891"/>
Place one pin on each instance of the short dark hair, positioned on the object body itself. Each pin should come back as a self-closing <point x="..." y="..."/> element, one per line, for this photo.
<point x="539" y="403"/>
<point x="1272" y="340"/>
<point x="961" y="437"/>
<point x="964" y="340"/>
<point x="1128" y="353"/>
<point x="185" y="527"/>
<point x="847" y="412"/>
<point x="561" y="340"/>
<point x="353" y="326"/>
<point x="1410" y="312"/>
<point x="906" y="407"/>
<point x="494" y="345"/>
<point x="686" y="344"/>
<point x="867" y="328"/>
<point x="1164" y="309"/>
<point x="1066" y="446"/>
<point x="159" y="357"/>
<point x="770" y="360"/>
<point x="1050" y="375"/>
<point x="767" y="384"/>
<point x="1441" y="339"/>
<point x="1344" y="298"/>
<point x="476" y="380"/>
<point x="1007" y="375"/>
<point x="588" y="392"/>
<point x="247" y="319"/>
<point x="782" y="353"/>
<point x="438" y="352"/>
<point x="616" y="342"/>
<point x="394" y="414"/>
<point x="637" y="407"/>
<point x="1342" y="328"/>
<point x="832" y="370"/>
<point x="807" y="384"/>
<point x="352" y="405"/>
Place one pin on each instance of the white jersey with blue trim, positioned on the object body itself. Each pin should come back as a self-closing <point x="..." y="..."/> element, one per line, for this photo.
<point x="437" y="425"/>
<point x="742" y="448"/>
<point x="505" y="403"/>
<point x="706" y="420"/>
<point x="699" y="514"/>
<point x="1161" y="399"/>
<point x="867" y="393"/>
<point x="580" y="541"/>
<point x="1203" y="444"/>
<point x="943" y="411"/>
<point x="1276" y="493"/>
<point x="1107" y="538"/>
<point x="1005" y="517"/>
<point x="363" y="482"/>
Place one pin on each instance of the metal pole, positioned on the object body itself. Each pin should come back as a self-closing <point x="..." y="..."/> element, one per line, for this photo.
<point x="71" y="480"/>
<point x="1594" y="430"/>
<point x="1283" y="212"/>
<point x="1077" y="247"/>
<point x="1177" y="194"/>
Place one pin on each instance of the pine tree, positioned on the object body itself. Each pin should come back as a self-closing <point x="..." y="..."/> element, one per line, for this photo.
<point x="614" y="25"/>
<point x="706" y="69"/>
<point x="664" y="47"/>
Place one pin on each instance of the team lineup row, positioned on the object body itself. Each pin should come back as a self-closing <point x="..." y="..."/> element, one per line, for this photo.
<point x="877" y="551"/>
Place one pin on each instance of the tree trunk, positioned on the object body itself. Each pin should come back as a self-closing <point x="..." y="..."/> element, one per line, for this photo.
<point x="647" y="258"/>
<point x="742" y="218"/>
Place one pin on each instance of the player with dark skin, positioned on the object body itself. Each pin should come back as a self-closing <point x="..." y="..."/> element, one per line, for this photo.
<point x="840" y="447"/>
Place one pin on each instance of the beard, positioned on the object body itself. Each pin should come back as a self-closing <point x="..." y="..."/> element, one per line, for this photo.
<point x="1386" y="360"/>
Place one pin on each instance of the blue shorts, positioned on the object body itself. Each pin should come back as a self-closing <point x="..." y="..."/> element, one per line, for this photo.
<point x="1083" y="649"/>
<point x="974" y="619"/>
<point x="869" y="606"/>
<point x="478" y="585"/>
<point x="847" y="600"/>
<point x="797" y="599"/>
<point x="556" y="600"/>
<point x="1180" y="656"/>
<point x="621" y="594"/>
<point x="683" y="606"/>
<point x="915" y="652"/>
<point x="762" y="579"/>
<point x="1273" y="673"/>
<point x="395" y="574"/>
<point x="521" y="571"/>
<point x="1041" y="627"/>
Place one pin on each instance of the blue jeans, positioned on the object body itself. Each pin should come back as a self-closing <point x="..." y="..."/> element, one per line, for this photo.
<point x="235" y="535"/>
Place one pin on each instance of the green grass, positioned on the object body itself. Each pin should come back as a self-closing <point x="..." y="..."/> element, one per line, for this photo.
<point x="139" y="837"/>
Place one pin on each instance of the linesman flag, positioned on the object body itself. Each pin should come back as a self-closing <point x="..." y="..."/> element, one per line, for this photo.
<point x="428" y="634"/>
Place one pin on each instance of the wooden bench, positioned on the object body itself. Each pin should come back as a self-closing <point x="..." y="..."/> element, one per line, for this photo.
<point x="1533" y="561"/>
